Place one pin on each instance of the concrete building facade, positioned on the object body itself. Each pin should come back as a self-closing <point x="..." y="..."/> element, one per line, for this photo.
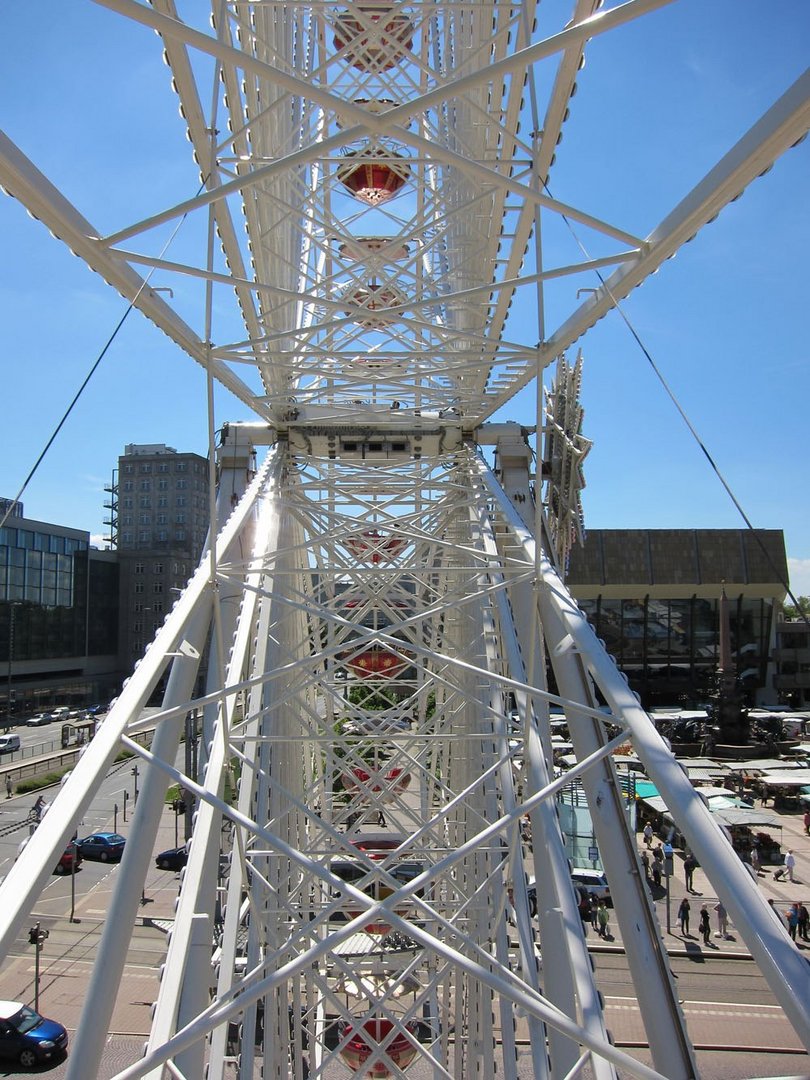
<point x="161" y="510"/>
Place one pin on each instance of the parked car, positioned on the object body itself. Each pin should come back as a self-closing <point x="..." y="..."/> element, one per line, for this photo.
<point x="28" y="1038"/>
<point x="104" y="846"/>
<point x="594" y="881"/>
<point x="173" y="859"/>
<point x="8" y="743"/>
<point x="40" y="719"/>
<point x="70" y="856"/>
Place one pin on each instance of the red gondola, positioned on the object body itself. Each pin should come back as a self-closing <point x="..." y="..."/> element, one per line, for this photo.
<point x="393" y="782"/>
<point x="378" y="41"/>
<point x="377" y="177"/>
<point x="399" y="1050"/>
<point x="374" y="546"/>
<point x="377" y="661"/>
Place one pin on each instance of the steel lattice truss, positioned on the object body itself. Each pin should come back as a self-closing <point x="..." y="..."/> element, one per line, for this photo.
<point x="377" y="610"/>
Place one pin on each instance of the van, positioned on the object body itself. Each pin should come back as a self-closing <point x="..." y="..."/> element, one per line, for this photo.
<point x="60" y="712"/>
<point x="9" y="743"/>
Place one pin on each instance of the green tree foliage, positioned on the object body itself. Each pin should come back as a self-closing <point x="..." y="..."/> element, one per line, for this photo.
<point x="793" y="612"/>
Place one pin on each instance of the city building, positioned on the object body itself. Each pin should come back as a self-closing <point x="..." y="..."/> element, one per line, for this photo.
<point x="653" y="596"/>
<point x="160" y="518"/>
<point x="792" y="656"/>
<point x="58" y="617"/>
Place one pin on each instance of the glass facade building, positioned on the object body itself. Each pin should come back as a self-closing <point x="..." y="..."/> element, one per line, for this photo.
<point x="653" y="597"/>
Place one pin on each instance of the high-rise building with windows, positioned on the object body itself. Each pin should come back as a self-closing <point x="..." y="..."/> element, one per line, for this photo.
<point x="160" y="514"/>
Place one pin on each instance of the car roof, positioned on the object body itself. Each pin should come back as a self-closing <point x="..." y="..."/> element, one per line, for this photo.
<point x="9" y="1008"/>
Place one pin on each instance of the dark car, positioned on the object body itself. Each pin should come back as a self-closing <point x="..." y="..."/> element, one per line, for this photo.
<point x="69" y="858"/>
<point x="104" y="846"/>
<point x="173" y="859"/>
<point x="28" y="1038"/>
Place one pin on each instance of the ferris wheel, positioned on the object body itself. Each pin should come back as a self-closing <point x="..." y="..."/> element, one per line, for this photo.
<point x="377" y="880"/>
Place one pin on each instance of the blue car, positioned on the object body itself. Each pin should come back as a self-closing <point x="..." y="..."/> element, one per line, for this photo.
<point x="28" y="1038"/>
<point x="104" y="846"/>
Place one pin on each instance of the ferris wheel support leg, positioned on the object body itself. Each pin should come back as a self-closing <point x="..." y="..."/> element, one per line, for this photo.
<point x="561" y="934"/>
<point x="649" y="964"/>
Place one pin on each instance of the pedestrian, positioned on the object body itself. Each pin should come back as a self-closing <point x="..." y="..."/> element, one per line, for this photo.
<point x="804" y="923"/>
<point x="603" y="917"/>
<point x="645" y="862"/>
<point x="683" y="916"/>
<point x="755" y="857"/>
<point x="594" y="913"/>
<point x="689" y="864"/>
<point x="792" y="915"/>
<point x="656" y="872"/>
<point x="705" y="925"/>
<point x="786" y="868"/>
<point x="777" y="913"/>
<point x="9" y="787"/>
<point x="648" y="834"/>
<point x="790" y="864"/>
<point x="807" y="822"/>
<point x="658" y="853"/>
<point x="722" y="920"/>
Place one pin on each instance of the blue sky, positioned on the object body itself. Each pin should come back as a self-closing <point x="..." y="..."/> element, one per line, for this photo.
<point x="87" y="98"/>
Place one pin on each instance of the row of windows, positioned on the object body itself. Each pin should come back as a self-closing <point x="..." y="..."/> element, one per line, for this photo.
<point x="37" y="576"/>
<point x="128" y="468"/>
<point x="146" y="519"/>
<point x="145" y="536"/>
<point x="30" y="540"/>
<point x="164" y="485"/>
<point x="157" y="568"/>
<point x="163" y="502"/>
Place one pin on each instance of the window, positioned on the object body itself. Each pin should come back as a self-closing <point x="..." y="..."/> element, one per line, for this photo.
<point x="129" y="469"/>
<point x="126" y="537"/>
<point x="144" y="536"/>
<point x="162" y="534"/>
<point x="180" y="500"/>
<point x="181" y="484"/>
<point x="145" y="502"/>
<point x="137" y="627"/>
<point x="180" y="519"/>
<point x="163" y="500"/>
<point x="146" y="485"/>
<point x="163" y="466"/>
<point x="138" y="587"/>
<point x="128" y="485"/>
<point x="145" y="519"/>
<point x="163" y="484"/>
<point x="157" y="587"/>
<point x="157" y="568"/>
<point x="146" y="466"/>
<point x="127" y="503"/>
<point x="181" y="466"/>
<point x="127" y="519"/>
<point x="139" y="567"/>
<point x="137" y="606"/>
<point x="180" y="534"/>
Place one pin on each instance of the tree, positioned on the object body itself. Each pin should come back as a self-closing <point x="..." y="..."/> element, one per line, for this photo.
<point x="793" y="612"/>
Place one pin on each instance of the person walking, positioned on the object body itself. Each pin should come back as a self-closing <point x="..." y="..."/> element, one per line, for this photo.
<point x="683" y="916"/>
<point x="648" y="834"/>
<point x="603" y="917"/>
<point x="786" y="869"/>
<point x="594" y="913"/>
<point x="722" y="920"/>
<point x="705" y="924"/>
<point x="9" y="787"/>
<point x="755" y="858"/>
<point x="689" y="865"/>
<point x="804" y="923"/>
<point x="645" y="862"/>
<point x="777" y="913"/>
<point x="792" y="916"/>
<point x="807" y="822"/>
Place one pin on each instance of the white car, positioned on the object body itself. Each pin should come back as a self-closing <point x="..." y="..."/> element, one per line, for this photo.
<point x="40" y="720"/>
<point x="594" y="881"/>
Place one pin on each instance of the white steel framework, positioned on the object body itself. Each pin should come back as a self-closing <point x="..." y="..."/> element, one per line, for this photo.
<point x="378" y="612"/>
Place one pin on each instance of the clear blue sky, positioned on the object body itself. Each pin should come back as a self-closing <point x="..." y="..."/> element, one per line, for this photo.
<point x="86" y="96"/>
